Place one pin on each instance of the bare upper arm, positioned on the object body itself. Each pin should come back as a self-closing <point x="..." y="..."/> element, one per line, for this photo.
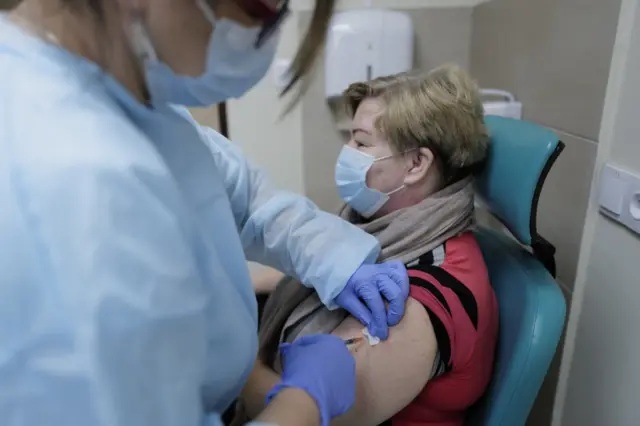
<point x="391" y="374"/>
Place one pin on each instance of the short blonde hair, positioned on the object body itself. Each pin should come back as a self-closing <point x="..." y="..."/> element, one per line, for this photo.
<point x="440" y="110"/>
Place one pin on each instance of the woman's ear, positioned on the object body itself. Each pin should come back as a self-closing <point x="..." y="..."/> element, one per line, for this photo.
<point x="420" y="163"/>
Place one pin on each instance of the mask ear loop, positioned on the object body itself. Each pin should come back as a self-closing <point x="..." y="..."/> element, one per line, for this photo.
<point x="403" y="186"/>
<point x="395" y="155"/>
<point x="207" y="11"/>
<point x="139" y="39"/>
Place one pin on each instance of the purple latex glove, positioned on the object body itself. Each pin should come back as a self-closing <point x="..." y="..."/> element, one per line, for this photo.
<point x="323" y="367"/>
<point x="364" y="292"/>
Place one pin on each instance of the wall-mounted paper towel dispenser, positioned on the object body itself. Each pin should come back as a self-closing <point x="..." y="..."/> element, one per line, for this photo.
<point x="365" y="44"/>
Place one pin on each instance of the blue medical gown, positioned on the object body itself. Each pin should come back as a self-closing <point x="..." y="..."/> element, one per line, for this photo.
<point x="125" y="298"/>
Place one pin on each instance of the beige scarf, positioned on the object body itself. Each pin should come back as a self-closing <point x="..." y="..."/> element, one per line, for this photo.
<point x="294" y="310"/>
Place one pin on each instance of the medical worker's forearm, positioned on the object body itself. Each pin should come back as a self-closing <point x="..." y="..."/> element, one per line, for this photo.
<point x="287" y="231"/>
<point x="266" y="280"/>
<point x="291" y="407"/>
<point x="260" y="382"/>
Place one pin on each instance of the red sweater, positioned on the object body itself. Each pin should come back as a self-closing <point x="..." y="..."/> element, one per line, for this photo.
<point x="452" y="283"/>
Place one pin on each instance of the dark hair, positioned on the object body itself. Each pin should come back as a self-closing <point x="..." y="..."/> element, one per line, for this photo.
<point x="93" y="6"/>
<point x="312" y="42"/>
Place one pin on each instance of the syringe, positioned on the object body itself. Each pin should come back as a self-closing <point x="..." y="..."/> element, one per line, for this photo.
<point x="353" y="341"/>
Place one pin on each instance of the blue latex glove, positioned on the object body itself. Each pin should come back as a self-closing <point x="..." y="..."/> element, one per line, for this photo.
<point x="363" y="296"/>
<point x="322" y="366"/>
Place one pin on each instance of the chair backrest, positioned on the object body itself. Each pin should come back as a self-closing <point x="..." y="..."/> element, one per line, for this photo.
<point x="532" y="306"/>
<point x="520" y="157"/>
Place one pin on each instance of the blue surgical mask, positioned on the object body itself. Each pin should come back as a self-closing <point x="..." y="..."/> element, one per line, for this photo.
<point x="233" y="64"/>
<point x="351" y="179"/>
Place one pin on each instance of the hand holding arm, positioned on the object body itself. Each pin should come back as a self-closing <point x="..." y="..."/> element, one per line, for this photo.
<point x="363" y="296"/>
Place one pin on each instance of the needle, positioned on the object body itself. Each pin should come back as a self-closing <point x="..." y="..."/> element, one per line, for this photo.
<point x="352" y="340"/>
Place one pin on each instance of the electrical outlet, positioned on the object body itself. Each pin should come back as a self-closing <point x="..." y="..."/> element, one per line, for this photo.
<point x="619" y="196"/>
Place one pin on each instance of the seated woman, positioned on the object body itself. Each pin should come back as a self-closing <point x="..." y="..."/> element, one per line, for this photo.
<point x="406" y="177"/>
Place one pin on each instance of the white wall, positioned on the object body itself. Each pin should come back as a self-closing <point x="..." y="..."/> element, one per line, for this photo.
<point x="600" y="378"/>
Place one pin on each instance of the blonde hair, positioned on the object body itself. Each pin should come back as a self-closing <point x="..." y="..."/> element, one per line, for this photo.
<point x="440" y="110"/>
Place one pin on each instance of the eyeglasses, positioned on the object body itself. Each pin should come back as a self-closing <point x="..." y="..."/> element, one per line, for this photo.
<point x="272" y="16"/>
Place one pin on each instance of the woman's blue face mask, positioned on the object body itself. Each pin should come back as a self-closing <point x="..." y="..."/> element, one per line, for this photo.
<point x="351" y="180"/>
<point x="233" y="64"/>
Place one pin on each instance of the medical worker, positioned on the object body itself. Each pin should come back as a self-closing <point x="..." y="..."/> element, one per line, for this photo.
<point x="125" y="297"/>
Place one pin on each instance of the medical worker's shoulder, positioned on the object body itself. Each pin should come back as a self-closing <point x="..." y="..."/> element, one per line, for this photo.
<point x="55" y="102"/>
<point x="69" y="122"/>
<point x="216" y="141"/>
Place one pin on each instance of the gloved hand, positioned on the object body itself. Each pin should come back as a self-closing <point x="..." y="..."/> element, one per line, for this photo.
<point x="322" y="366"/>
<point x="367" y="286"/>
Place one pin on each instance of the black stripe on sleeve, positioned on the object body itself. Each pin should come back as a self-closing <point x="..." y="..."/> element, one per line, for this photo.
<point x="467" y="299"/>
<point x="442" y="337"/>
<point x="426" y="259"/>
<point x="419" y="282"/>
